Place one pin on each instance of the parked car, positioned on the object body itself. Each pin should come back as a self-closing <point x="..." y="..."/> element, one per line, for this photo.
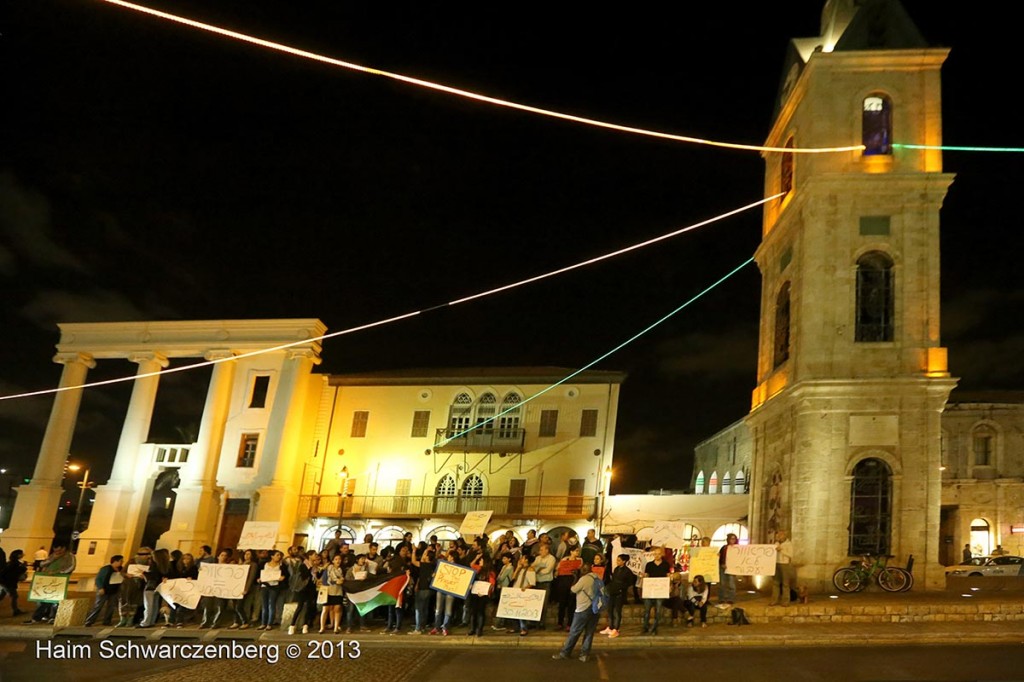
<point x="989" y="565"/>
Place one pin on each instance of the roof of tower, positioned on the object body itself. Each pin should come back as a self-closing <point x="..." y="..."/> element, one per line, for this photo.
<point x="880" y="25"/>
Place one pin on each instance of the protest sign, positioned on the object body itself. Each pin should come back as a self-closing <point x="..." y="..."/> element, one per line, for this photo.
<point x="520" y="604"/>
<point x="226" y="581"/>
<point x="668" y="534"/>
<point x="137" y="570"/>
<point x="48" y="588"/>
<point x="655" y="588"/>
<point x="359" y="548"/>
<point x="750" y="560"/>
<point x="481" y="588"/>
<point x="258" y="535"/>
<point x="180" y="591"/>
<point x="270" y="575"/>
<point x="704" y="561"/>
<point x="475" y="523"/>
<point x="638" y="559"/>
<point x="452" y="579"/>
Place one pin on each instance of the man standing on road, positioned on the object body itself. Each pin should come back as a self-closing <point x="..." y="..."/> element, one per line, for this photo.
<point x="584" y="620"/>
<point x="785" y="572"/>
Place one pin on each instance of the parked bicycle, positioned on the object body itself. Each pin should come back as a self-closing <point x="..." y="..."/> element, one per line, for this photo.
<point x="858" y="574"/>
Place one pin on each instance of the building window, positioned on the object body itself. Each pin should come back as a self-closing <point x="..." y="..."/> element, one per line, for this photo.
<point x="402" y="488"/>
<point x="726" y="484"/>
<point x="445" y="487"/>
<point x="459" y="414"/>
<point x="876" y="125"/>
<point x="485" y="411"/>
<point x="781" y="351"/>
<point x="247" y="450"/>
<point x="574" y="505"/>
<point x="420" y="423"/>
<point x="739" y="485"/>
<point x="508" y="422"/>
<point x="786" y="170"/>
<point x="588" y="424"/>
<point x="548" y="423"/>
<point x="983" y="445"/>
<point x="473" y="486"/>
<point x="874" y="297"/>
<point x="359" y="421"/>
<point x="713" y="484"/>
<point x="721" y="534"/>
<point x="981" y="537"/>
<point x="698" y="484"/>
<point x="516" y="495"/>
<point x="870" y="508"/>
<point x="260" y="386"/>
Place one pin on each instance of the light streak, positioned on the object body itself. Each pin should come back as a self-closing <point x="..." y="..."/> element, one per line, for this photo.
<point x="951" y="148"/>
<point x="388" y="320"/>
<point x="305" y="54"/>
<point x="590" y="364"/>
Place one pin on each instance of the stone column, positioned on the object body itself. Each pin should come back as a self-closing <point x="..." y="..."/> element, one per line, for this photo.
<point x="282" y="448"/>
<point x="112" y="527"/>
<point x="198" y="503"/>
<point x="36" y="503"/>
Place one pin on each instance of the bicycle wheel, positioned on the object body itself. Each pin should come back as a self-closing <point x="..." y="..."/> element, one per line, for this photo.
<point x="848" y="580"/>
<point x="892" y="579"/>
<point x="910" y="579"/>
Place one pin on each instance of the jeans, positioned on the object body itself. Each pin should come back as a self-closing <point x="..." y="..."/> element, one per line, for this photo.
<point x="583" y="623"/>
<point x="785" y="578"/>
<point x="691" y="609"/>
<point x="104" y="605"/>
<point x="443" y="610"/>
<point x="212" y="608"/>
<point x="352" y="613"/>
<point x="423" y="598"/>
<point x="615" y="604"/>
<point x="151" y="602"/>
<point x="394" y="619"/>
<point x="269" y="596"/>
<point x="727" y="588"/>
<point x="648" y="605"/>
<point x="547" y="596"/>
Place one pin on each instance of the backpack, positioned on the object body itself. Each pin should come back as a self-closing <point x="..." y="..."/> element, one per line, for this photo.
<point x="599" y="600"/>
<point x="739" y="617"/>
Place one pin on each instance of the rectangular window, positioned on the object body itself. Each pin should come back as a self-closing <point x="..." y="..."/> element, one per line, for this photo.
<point x="402" y="488"/>
<point x="516" y="495"/>
<point x="359" y="421"/>
<point x="420" y="423"/>
<point x="548" y="423"/>
<point x="247" y="450"/>
<point x="260" y="385"/>
<point x="983" y="450"/>
<point x="588" y="424"/>
<point x="574" y="504"/>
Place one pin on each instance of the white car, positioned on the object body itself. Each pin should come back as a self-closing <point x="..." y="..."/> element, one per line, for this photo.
<point x="989" y="565"/>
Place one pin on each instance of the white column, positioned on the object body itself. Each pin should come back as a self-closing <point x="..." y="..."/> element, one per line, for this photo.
<point x="282" y="447"/>
<point x="198" y="503"/>
<point x="112" y="526"/>
<point x="36" y="503"/>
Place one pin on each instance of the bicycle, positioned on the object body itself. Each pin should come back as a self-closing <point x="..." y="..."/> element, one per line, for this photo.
<point x="857" y="575"/>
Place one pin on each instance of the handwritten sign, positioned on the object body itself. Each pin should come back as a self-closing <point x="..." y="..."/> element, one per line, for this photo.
<point x="475" y="523"/>
<point x="704" y="561"/>
<point x="452" y="579"/>
<point x="137" y="570"/>
<point x="270" y="575"/>
<point x="668" y="534"/>
<point x="48" y="588"/>
<point x="655" y="588"/>
<point x="520" y="604"/>
<point x="750" y="560"/>
<point x="258" y="535"/>
<point x="180" y="591"/>
<point x="481" y="588"/>
<point x="638" y="559"/>
<point x="360" y="548"/>
<point x="226" y="581"/>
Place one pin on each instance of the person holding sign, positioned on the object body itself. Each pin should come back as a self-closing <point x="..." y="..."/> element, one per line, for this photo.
<point x="659" y="568"/>
<point x="61" y="562"/>
<point x="273" y="578"/>
<point x="108" y="582"/>
<point x="727" y="588"/>
<point x="524" y="578"/>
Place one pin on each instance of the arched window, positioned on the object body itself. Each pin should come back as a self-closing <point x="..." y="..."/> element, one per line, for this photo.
<point x="739" y="485"/>
<point x="346" y="534"/>
<point x="876" y="125"/>
<point x="781" y="351"/>
<point x="726" y="484"/>
<point x="874" y="297"/>
<point x="692" y="534"/>
<point x="473" y="486"/>
<point x="713" y="483"/>
<point x="786" y="170"/>
<point x="722" y="532"/>
<point x="870" y="508"/>
<point x="981" y="537"/>
<point x="445" y="487"/>
<point x="508" y="422"/>
<point x="486" y="408"/>
<point x="459" y="414"/>
<point x="445" y="534"/>
<point x="698" y="484"/>
<point x="983" y="445"/>
<point x="389" y="536"/>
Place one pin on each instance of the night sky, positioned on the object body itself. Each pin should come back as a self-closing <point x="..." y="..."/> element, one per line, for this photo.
<point x="153" y="172"/>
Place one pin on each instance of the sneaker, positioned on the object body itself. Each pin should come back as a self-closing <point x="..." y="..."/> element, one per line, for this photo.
<point x="444" y="632"/>
<point x="416" y="632"/>
<point x="434" y="631"/>
<point x="291" y="629"/>
<point x="233" y="626"/>
<point x="261" y="627"/>
<point x="305" y="629"/>
<point x="559" y="657"/>
<point x="583" y="658"/>
<point x="613" y="634"/>
<point x="606" y="631"/>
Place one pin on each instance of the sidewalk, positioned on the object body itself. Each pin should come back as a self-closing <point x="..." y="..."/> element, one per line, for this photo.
<point x="865" y="619"/>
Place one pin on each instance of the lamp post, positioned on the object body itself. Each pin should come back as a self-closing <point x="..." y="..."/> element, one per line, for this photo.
<point x="604" y="493"/>
<point x="84" y="485"/>
<point x="343" y="475"/>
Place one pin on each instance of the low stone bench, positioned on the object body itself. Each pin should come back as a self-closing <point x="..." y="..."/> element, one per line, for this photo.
<point x="72" y="612"/>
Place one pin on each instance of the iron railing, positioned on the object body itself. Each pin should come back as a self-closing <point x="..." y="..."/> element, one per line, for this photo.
<point x="423" y="506"/>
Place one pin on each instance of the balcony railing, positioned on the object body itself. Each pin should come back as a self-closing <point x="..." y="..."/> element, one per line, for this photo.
<point x="424" y="506"/>
<point x="480" y="440"/>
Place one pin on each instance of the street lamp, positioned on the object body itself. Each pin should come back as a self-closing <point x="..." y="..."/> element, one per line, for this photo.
<point x="84" y="485"/>
<point x="343" y="475"/>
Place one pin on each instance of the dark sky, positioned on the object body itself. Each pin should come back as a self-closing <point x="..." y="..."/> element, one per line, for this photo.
<point x="150" y="171"/>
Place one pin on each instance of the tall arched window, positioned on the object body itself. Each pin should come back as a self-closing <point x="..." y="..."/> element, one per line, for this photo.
<point x="786" y="170"/>
<point x="698" y="484"/>
<point x="508" y="422"/>
<point x="486" y="408"/>
<point x="870" y="508"/>
<point x="473" y="486"/>
<point x="713" y="484"/>
<point x="459" y="413"/>
<point x="726" y="484"/>
<point x="874" y="297"/>
<point x="445" y="487"/>
<point x="781" y="350"/>
<point x="876" y="125"/>
<point x="981" y="537"/>
<point x="983" y="445"/>
<point x="739" y="485"/>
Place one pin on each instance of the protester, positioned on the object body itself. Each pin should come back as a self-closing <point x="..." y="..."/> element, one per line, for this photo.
<point x="13" y="572"/>
<point x="622" y="579"/>
<point x="658" y="568"/>
<point x="108" y="583"/>
<point x="273" y="579"/>
<point x="60" y="562"/>
<point x="584" y="621"/>
<point x="697" y="600"/>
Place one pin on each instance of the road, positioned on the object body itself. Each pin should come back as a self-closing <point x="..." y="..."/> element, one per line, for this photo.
<point x="24" y="661"/>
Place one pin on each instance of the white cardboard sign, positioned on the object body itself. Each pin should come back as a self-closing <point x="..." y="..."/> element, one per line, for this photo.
<point x="750" y="560"/>
<point x="226" y="581"/>
<point x="520" y="604"/>
<point x="258" y="535"/>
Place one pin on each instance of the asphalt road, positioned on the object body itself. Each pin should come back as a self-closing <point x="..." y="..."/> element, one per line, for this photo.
<point x="22" y="661"/>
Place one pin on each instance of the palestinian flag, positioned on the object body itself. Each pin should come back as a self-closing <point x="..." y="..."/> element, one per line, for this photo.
<point x="376" y="591"/>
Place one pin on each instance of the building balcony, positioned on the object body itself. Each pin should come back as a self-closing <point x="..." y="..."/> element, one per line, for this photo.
<point x="428" y="506"/>
<point x="509" y="441"/>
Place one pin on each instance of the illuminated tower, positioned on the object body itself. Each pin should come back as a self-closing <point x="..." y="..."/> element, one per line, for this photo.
<point x="852" y="379"/>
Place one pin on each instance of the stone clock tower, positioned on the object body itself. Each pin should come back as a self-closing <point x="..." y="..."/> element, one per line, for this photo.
<point x="852" y="379"/>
